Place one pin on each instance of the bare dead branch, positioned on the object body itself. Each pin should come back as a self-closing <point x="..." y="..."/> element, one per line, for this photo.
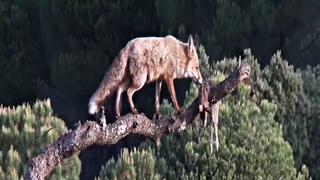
<point x="90" y="133"/>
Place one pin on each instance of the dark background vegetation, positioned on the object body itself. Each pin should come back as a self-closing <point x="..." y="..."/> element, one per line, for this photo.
<point x="60" y="49"/>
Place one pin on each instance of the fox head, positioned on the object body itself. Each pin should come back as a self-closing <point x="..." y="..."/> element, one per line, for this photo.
<point x="192" y="69"/>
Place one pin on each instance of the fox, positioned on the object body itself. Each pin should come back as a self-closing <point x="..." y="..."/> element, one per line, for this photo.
<point x="144" y="60"/>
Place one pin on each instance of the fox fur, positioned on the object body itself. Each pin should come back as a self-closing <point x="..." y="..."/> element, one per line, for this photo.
<point x="144" y="60"/>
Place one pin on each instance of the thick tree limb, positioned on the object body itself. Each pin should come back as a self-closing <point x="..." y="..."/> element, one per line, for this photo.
<point x="92" y="132"/>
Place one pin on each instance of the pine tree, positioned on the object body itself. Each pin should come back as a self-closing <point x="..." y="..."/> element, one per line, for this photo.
<point x="25" y="131"/>
<point x="280" y="83"/>
<point x="311" y="84"/>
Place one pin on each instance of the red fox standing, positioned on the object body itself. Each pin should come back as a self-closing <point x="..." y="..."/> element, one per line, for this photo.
<point x="144" y="60"/>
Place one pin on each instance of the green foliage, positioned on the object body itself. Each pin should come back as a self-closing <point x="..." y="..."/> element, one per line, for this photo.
<point x="166" y="108"/>
<point x="85" y="68"/>
<point x="73" y="50"/>
<point x="20" y="52"/>
<point x="138" y="164"/>
<point x="286" y="90"/>
<point x="230" y="25"/>
<point x="35" y="33"/>
<point x="25" y="131"/>
<point x="51" y="41"/>
<point x="311" y="84"/>
<point x="250" y="143"/>
<point x="206" y="70"/>
<point x="281" y="84"/>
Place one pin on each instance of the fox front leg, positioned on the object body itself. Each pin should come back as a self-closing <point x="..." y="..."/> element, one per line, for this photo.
<point x="173" y="94"/>
<point x="157" y="101"/>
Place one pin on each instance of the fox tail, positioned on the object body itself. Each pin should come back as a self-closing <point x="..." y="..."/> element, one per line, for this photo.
<point x="113" y="77"/>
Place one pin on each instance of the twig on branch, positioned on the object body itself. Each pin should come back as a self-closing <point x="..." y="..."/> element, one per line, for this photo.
<point x="90" y="133"/>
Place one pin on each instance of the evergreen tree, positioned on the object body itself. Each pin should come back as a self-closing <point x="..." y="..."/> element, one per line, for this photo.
<point x="25" y="131"/>
<point x="286" y="90"/>
<point x="311" y="84"/>
<point x="281" y="84"/>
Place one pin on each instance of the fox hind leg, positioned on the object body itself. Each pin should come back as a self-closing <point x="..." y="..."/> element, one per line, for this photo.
<point x="136" y="84"/>
<point x="122" y="87"/>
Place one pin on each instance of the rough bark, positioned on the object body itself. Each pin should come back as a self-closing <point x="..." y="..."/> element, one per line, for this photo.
<point x="90" y="133"/>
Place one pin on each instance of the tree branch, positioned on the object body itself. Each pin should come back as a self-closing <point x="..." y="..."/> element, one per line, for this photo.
<point x="306" y="47"/>
<point x="90" y="133"/>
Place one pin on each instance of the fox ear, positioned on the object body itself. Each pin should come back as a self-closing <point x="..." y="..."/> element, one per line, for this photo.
<point x="190" y="44"/>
